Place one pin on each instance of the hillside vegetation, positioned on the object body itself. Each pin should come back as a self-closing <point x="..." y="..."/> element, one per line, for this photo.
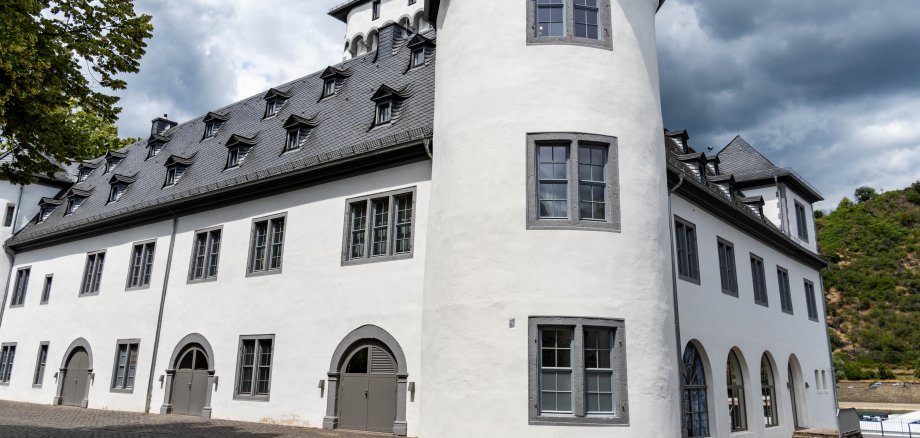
<point x="873" y="282"/>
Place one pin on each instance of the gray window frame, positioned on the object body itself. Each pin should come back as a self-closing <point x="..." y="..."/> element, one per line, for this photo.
<point x="375" y="10"/>
<point x="38" y="377"/>
<point x="6" y="362"/>
<point x="574" y="221"/>
<point x="95" y="276"/>
<point x="811" y="300"/>
<point x="143" y="244"/>
<point x="692" y="251"/>
<point x="605" y="36"/>
<point x="729" y="272"/>
<point x="785" y="290"/>
<point x="579" y="417"/>
<point x="20" y="287"/>
<point x="252" y="396"/>
<point x="207" y="255"/>
<point x="124" y="389"/>
<point x="268" y="220"/>
<point x="9" y="215"/>
<point x="46" y="289"/>
<point x="368" y="229"/>
<point x="759" y="276"/>
<point x="801" y="220"/>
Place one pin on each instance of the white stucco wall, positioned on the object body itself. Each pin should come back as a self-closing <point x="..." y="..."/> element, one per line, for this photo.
<point x="771" y="207"/>
<point x="484" y="267"/>
<point x="720" y="322"/>
<point x="310" y="307"/>
<point x="791" y="198"/>
<point x="361" y="23"/>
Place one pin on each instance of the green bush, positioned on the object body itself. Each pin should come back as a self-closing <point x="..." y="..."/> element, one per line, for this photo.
<point x="885" y="374"/>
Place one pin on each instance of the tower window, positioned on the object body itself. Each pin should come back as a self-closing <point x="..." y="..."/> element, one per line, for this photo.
<point x="587" y="23"/>
<point x="376" y="10"/>
<point x="550" y="18"/>
<point x="586" y="18"/>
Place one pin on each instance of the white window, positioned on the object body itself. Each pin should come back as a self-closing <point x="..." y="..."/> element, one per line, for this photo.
<point x="273" y="106"/>
<point x="550" y="18"/>
<point x="125" y="365"/>
<point x="117" y="190"/>
<point x="111" y="164"/>
<point x="74" y="202"/>
<point x="205" y="255"/>
<point x="92" y="273"/>
<point x="211" y="128"/>
<point x="296" y="137"/>
<point x="254" y="367"/>
<point x="587" y="18"/>
<point x="174" y="174"/>
<point x="154" y="148"/>
<point x="141" y="265"/>
<point x="84" y="173"/>
<point x="581" y="22"/>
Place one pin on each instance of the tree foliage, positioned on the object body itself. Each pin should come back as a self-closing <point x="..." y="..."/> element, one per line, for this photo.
<point x="59" y="60"/>
<point x="865" y="193"/>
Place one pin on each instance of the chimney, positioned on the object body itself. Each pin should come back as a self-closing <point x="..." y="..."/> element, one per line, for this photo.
<point x="389" y="38"/>
<point x="161" y="125"/>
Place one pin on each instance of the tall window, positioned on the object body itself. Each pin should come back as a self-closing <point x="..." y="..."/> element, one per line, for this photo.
<point x="92" y="273"/>
<point x="254" y="367"/>
<point x="205" y="255"/>
<point x="801" y="221"/>
<point x="125" y="365"/>
<point x="46" y="290"/>
<point x="572" y="182"/>
<point x="379" y="227"/>
<point x="578" y="362"/>
<point x="688" y="265"/>
<point x="587" y="23"/>
<point x="384" y="113"/>
<point x="267" y="244"/>
<point x="19" y="290"/>
<point x="550" y="18"/>
<point x="141" y="265"/>
<point x="727" y="270"/>
<point x="811" y="301"/>
<point x="759" y="277"/>
<point x="10" y="214"/>
<point x="7" y="354"/>
<point x="785" y="295"/>
<point x="375" y="10"/>
<point x="695" y="394"/>
<point x="587" y="18"/>
<point x="737" y="410"/>
<point x="768" y="392"/>
<point x="40" y="363"/>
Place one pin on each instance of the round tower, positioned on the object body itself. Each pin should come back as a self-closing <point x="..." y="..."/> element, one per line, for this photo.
<point x="548" y="210"/>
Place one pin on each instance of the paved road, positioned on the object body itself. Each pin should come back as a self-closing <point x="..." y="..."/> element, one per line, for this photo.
<point x="25" y="420"/>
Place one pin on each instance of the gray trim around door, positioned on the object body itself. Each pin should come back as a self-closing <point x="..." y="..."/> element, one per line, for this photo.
<point x="193" y="338"/>
<point x="365" y="333"/>
<point x="77" y="343"/>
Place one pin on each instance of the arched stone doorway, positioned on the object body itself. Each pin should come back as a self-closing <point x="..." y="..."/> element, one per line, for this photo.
<point x="796" y="386"/>
<point x="75" y="373"/>
<point x="367" y="383"/>
<point x="190" y="378"/>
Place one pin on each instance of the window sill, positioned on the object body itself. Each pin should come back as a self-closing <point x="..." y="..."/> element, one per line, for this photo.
<point x="761" y="303"/>
<point x="788" y="312"/>
<point x="255" y="398"/>
<point x="16" y="306"/>
<point x="730" y="293"/>
<point x="37" y="385"/>
<point x="564" y="420"/>
<point x="201" y="280"/>
<point x="131" y="289"/>
<point x="4" y="383"/>
<point x="377" y="259"/>
<point x="695" y="281"/>
<point x="122" y="390"/>
<point x="262" y="273"/>
<point x="569" y="224"/>
<point x="814" y="319"/>
<point x="88" y="294"/>
<point x="569" y="40"/>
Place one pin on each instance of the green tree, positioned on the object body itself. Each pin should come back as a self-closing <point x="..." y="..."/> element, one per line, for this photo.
<point x="58" y="61"/>
<point x="865" y="193"/>
<point x="917" y="370"/>
<point x="884" y="373"/>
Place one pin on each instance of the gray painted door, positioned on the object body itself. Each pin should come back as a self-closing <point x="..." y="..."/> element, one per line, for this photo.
<point x="190" y="384"/>
<point x="793" y="399"/>
<point x="76" y="376"/>
<point x="368" y="390"/>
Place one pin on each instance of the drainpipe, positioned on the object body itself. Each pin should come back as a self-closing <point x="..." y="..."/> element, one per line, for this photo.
<point x="830" y="353"/>
<point x="16" y="210"/>
<point x="680" y="347"/>
<point x="428" y="148"/>
<point x="11" y="255"/>
<point x="156" y="338"/>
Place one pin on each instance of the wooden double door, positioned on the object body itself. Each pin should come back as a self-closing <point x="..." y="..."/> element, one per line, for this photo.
<point x="76" y="377"/>
<point x="190" y="383"/>
<point x="367" y="397"/>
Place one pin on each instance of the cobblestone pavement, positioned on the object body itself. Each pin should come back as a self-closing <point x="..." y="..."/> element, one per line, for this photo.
<point x="26" y="420"/>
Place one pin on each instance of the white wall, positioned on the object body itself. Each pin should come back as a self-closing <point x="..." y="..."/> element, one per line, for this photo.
<point x="720" y="322"/>
<point x="791" y="198"/>
<point x="361" y="23"/>
<point x="484" y="267"/>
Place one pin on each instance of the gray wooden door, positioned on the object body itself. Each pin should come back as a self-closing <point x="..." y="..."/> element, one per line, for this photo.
<point x="368" y="390"/>
<point x="190" y="384"/>
<point x="76" y="376"/>
<point x="793" y="398"/>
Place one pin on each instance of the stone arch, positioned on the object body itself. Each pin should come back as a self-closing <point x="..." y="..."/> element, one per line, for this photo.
<point x="712" y="426"/>
<point x="189" y="340"/>
<point x="358" y="46"/>
<point x="795" y="384"/>
<point x="406" y="22"/>
<point x="79" y="342"/>
<point x="777" y="399"/>
<point x="362" y="334"/>
<point x="59" y="394"/>
<point x="746" y="383"/>
<point x="373" y="40"/>
<point x="420" y="21"/>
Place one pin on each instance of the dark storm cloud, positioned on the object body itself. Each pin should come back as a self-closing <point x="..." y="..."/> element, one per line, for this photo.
<point x="827" y="87"/>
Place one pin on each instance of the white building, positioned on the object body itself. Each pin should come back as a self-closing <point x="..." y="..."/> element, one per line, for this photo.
<point x="518" y="249"/>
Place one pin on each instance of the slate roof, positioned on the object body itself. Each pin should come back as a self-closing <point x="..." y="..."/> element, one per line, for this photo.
<point x="345" y="129"/>
<point x="750" y="167"/>
<point x="67" y="175"/>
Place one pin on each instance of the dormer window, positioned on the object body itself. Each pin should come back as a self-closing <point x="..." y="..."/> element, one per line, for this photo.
<point x="173" y="174"/>
<point x="388" y="103"/>
<point x="154" y="148"/>
<point x="298" y="129"/>
<point x="75" y="199"/>
<point x="210" y="130"/>
<point x="274" y="100"/>
<point x="111" y="164"/>
<point x="420" y="46"/>
<point x="329" y="87"/>
<point x="238" y="148"/>
<point x="212" y="124"/>
<point x="384" y="113"/>
<point x="84" y="173"/>
<point x="418" y="57"/>
<point x="176" y="167"/>
<point x="333" y="78"/>
<point x="117" y="191"/>
<point x="47" y="206"/>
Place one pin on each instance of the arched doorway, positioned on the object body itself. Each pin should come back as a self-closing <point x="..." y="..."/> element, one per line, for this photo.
<point x="75" y="372"/>
<point x="796" y="386"/>
<point x="367" y="383"/>
<point x="190" y="378"/>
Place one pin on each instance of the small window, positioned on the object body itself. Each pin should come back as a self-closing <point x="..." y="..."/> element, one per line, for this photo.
<point x="92" y="273"/>
<point x="296" y="137"/>
<point x="768" y="393"/>
<point x="379" y="227"/>
<point x="688" y="265"/>
<point x="153" y="149"/>
<point x="45" y="212"/>
<point x="801" y="221"/>
<point x="141" y="265"/>
<point x="267" y="245"/>
<point x="125" y="365"/>
<point x="760" y="281"/>
<point x="74" y="202"/>
<point x="273" y="107"/>
<point x="811" y="301"/>
<point x="236" y="155"/>
<point x="7" y="354"/>
<point x="19" y="289"/>
<point x="211" y="128"/>
<point x="205" y="255"/>
<point x="411" y="2"/>
<point x="384" y="113"/>
<point x="116" y="192"/>
<point x="418" y="57"/>
<point x="578" y="376"/>
<point x="10" y="214"/>
<point x="84" y="173"/>
<point x="40" y="363"/>
<point x="111" y="164"/>
<point x="46" y="289"/>
<point x="785" y="295"/>
<point x="727" y="270"/>
<point x="174" y="174"/>
<point x="581" y="22"/>
<point x="254" y="367"/>
<point x="572" y="182"/>
<point x="329" y="87"/>
<point x="550" y="18"/>
<point x="376" y="10"/>
<point x="737" y="410"/>
<point x="587" y="19"/>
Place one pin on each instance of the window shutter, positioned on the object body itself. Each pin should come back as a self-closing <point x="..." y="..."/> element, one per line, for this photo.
<point x="381" y="362"/>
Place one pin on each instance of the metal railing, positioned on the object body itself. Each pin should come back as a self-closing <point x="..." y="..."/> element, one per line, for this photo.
<point x="893" y="427"/>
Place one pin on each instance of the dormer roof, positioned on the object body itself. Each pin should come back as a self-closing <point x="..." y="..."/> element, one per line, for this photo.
<point x="295" y="120"/>
<point x="274" y="93"/>
<point x="50" y="201"/>
<point x="179" y="160"/>
<point x="242" y="140"/>
<point x="83" y="193"/>
<point x="211" y="117"/>
<point x="88" y="165"/>
<point x="420" y="40"/>
<point x="333" y="72"/>
<point x="125" y="179"/>
<point x="158" y="138"/>
<point x="385" y="92"/>
<point x="115" y="154"/>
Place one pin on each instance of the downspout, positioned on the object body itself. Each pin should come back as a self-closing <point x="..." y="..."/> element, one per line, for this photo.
<point x="830" y="352"/>
<point x="783" y="211"/>
<point x="680" y="346"/>
<point x="16" y="211"/>
<point x="156" y="338"/>
<point x="11" y="255"/>
<point x="427" y="144"/>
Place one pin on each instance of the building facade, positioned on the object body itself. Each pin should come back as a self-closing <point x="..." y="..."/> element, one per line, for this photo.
<point x="472" y="225"/>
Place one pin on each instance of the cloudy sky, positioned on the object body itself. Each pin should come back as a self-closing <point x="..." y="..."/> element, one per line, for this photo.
<point x="828" y="87"/>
